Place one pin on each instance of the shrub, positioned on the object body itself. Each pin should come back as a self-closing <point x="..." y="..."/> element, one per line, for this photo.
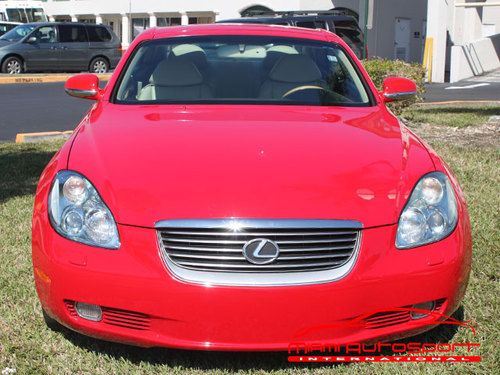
<point x="379" y="69"/>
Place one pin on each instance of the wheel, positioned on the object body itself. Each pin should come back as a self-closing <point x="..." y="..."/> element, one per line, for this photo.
<point x="12" y="65"/>
<point x="99" y="65"/>
<point x="53" y="324"/>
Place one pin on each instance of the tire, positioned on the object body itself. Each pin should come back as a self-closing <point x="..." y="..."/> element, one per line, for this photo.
<point x="12" y="65"/>
<point x="99" y="65"/>
<point x="53" y="324"/>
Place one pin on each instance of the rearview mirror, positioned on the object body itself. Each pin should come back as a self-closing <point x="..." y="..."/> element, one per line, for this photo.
<point x="398" y="88"/>
<point x="83" y="86"/>
<point x="31" y="39"/>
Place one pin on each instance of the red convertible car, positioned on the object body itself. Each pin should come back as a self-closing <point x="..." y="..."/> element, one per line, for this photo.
<point x="234" y="185"/>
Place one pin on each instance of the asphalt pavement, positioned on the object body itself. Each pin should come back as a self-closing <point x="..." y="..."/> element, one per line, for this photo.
<point x="29" y="108"/>
<point x="485" y="88"/>
<point x="42" y="107"/>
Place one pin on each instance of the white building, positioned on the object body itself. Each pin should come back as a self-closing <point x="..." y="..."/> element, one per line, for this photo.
<point x="462" y="35"/>
<point x="128" y="18"/>
<point x="465" y="38"/>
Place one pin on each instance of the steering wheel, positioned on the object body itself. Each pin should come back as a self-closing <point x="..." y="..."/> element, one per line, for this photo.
<point x="301" y="88"/>
<point x="330" y="93"/>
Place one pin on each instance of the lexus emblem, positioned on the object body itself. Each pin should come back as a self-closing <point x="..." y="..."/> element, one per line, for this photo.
<point x="261" y="251"/>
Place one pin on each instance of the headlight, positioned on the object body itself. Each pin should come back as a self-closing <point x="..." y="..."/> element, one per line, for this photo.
<point x="78" y="213"/>
<point x="430" y="214"/>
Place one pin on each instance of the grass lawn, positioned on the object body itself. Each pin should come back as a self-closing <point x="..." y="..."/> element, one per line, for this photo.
<point x="451" y="115"/>
<point x="31" y="348"/>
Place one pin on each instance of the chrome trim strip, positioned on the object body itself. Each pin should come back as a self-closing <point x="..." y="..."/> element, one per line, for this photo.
<point x="235" y="223"/>
<point x="211" y="278"/>
<point x="80" y="93"/>
<point x="400" y="95"/>
<point x="290" y="234"/>
<point x="242" y="242"/>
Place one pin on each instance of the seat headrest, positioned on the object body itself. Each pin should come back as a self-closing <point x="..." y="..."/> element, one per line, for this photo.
<point x="288" y="50"/>
<point x="296" y="69"/>
<point x="191" y="53"/>
<point x="277" y="52"/>
<point x="182" y="49"/>
<point x="176" y="73"/>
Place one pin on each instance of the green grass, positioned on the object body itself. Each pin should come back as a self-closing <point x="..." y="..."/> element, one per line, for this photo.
<point x="456" y="116"/>
<point x="31" y="348"/>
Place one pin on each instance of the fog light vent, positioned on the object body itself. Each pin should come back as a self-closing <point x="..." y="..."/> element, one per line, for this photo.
<point x="429" y="306"/>
<point x="88" y="311"/>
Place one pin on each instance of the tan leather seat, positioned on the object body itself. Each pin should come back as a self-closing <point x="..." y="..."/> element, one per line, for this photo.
<point x="190" y="53"/>
<point x="275" y="53"/>
<point x="290" y="72"/>
<point x="175" y="80"/>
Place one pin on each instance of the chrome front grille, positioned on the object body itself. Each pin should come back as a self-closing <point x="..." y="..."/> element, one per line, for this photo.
<point x="216" y="246"/>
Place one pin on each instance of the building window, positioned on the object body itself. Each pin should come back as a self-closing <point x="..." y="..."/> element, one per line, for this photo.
<point x="206" y="19"/>
<point x="168" y="21"/>
<point x="175" y="21"/>
<point x="138" y="26"/>
<point x="62" y="19"/>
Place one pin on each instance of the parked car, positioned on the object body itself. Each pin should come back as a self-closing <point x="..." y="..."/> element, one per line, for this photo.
<point x="344" y="26"/>
<point x="236" y="186"/>
<point x="7" y="26"/>
<point x="59" y="46"/>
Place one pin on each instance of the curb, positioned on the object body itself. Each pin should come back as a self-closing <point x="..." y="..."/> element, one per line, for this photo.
<point x="42" y="136"/>
<point x="8" y="79"/>
<point x="487" y="102"/>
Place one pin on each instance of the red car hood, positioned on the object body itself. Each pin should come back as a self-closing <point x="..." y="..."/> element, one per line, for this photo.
<point x="152" y="163"/>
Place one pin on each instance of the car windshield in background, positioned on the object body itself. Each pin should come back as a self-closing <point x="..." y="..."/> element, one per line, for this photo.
<point x="240" y="69"/>
<point x="17" y="33"/>
<point x="35" y="15"/>
<point x="26" y="15"/>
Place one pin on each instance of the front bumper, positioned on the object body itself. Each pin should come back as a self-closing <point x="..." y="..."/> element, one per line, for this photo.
<point x="144" y="304"/>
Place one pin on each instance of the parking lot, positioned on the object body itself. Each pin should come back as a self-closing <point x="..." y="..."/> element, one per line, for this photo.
<point x="28" y="108"/>
<point x="482" y="88"/>
<point x="45" y="107"/>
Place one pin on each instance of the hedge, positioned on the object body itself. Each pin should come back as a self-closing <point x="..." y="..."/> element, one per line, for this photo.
<point x="378" y="69"/>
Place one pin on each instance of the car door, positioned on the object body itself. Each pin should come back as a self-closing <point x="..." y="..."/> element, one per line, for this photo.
<point x="74" y="47"/>
<point x="104" y="42"/>
<point x="41" y="49"/>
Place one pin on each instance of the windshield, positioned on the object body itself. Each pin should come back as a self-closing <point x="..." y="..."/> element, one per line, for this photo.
<point x="17" y="15"/>
<point x="35" y="15"/>
<point x="17" y="33"/>
<point x="241" y="69"/>
<point x="26" y="15"/>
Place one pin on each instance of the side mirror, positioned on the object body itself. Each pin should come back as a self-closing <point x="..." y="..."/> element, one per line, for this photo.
<point x="83" y="86"/>
<point x="397" y="88"/>
<point x="31" y="40"/>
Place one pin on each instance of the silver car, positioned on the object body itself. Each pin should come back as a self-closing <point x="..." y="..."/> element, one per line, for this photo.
<point x="59" y="46"/>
